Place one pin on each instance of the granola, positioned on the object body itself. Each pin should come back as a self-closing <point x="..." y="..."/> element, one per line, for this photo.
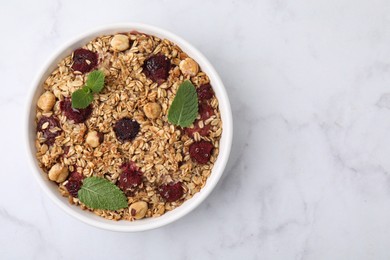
<point x="168" y="172"/>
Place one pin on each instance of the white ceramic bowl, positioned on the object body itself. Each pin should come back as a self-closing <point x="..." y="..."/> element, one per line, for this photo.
<point x="50" y="188"/>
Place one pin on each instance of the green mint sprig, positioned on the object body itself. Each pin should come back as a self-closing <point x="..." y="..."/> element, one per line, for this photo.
<point x="184" y="108"/>
<point x="99" y="193"/>
<point x="81" y="98"/>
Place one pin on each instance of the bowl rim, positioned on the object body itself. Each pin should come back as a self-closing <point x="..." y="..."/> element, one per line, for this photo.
<point x="198" y="198"/>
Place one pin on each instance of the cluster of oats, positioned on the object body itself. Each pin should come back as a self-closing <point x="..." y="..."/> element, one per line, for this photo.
<point x="160" y="150"/>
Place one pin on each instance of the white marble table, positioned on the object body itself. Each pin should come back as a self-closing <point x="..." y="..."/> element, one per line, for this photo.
<point x="309" y="83"/>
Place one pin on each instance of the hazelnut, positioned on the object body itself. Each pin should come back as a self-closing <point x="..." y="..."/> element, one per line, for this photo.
<point x="46" y="101"/>
<point x="120" y="42"/>
<point x="138" y="209"/>
<point x="152" y="110"/>
<point x="93" y="139"/>
<point x="58" y="173"/>
<point x="189" y="67"/>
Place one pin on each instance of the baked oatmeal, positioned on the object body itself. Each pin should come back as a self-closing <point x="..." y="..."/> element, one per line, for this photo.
<point x="122" y="134"/>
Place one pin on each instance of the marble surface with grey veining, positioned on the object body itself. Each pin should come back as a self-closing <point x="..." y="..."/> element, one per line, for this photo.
<point x="308" y="176"/>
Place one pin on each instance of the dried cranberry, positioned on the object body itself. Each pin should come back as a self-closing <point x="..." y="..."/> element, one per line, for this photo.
<point x="157" y="68"/>
<point x="77" y="115"/>
<point x="130" y="178"/>
<point x="76" y="176"/>
<point x="129" y="167"/>
<point x="126" y="129"/>
<point x="202" y="131"/>
<point x="201" y="151"/>
<point x="49" y="133"/>
<point x="171" y="191"/>
<point x="205" y="111"/>
<point x="74" y="183"/>
<point x="73" y="187"/>
<point x="205" y="92"/>
<point x="84" y="60"/>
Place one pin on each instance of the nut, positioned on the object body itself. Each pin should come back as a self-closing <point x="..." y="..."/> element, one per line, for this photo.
<point x="152" y="110"/>
<point x="58" y="173"/>
<point x="189" y="67"/>
<point x="93" y="139"/>
<point x="138" y="209"/>
<point x="46" y="101"/>
<point x="120" y="42"/>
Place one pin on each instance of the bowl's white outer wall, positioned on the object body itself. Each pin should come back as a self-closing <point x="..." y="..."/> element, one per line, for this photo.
<point x="145" y="224"/>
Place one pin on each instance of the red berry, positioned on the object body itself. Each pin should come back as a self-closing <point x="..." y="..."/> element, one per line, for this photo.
<point x="74" y="183"/>
<point x="130" y="178"/>
<point x="157" y="68"/>
<point x="77" y="115"/>
<point x="84" y="60"/>
<point x="171" y="191"/>
<point x="129" y="167"/>
<point x="76" y="176"/>
<point x="201" y="151"/>
<point x="205" y="92"/>
<point x="202" y="131"/>
<point x="49" y="133"/>
<point x="73" y="187"/>
<point x="205" y="111"/>
<point x="126" y="129"/>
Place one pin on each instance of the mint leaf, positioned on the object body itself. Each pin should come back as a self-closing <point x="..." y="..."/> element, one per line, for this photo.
<point x="184" y="108"/>
<point x="99" y="193"/>
<point x="95" y="81"/>
<point x="81" y="98"/>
